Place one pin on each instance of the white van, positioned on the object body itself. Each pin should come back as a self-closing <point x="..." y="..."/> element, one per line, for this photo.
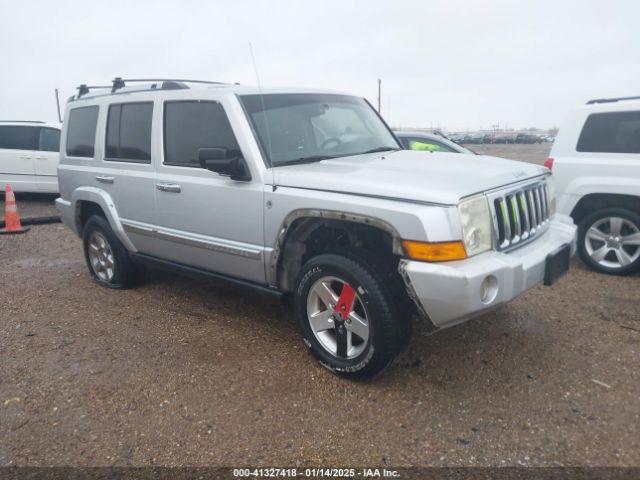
<point x="29" y="154"/>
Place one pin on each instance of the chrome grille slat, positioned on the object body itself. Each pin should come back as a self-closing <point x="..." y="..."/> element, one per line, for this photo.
<point x="504" y="211"/>
<point x="532" y="206"/>
<point x="526" y="219"/>
<point x="536" y="196"/>
<point x="520" y="214"/>
<point x="515" y="212"/>
<point x="545" y="202"/>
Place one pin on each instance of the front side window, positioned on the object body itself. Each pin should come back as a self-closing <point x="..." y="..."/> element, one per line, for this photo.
<point x="18" y="137"/>
<point x="192" y="125"/>
<point x="129" y="132"/>
<point x="612" y="132"/>
<point x="301" y="127"/>
<point x="49" y="140"/>
<point x="81" y="131"/>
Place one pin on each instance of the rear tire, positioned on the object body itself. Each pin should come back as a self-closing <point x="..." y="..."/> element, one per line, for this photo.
<point x="374" y="333"/>
<point x="107" y="259"/>
<point x="609" y="241"/>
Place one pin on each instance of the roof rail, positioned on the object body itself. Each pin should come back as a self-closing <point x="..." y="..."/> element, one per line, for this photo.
<point x="119" y="82"/>
<point x="167" y="83"/>
<point x="21" y="121"/>
<point x="610" y="100"/>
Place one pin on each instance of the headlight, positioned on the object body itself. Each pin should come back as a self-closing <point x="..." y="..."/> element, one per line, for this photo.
<point x="552" y="196"/>
<point x="475" y="219"/>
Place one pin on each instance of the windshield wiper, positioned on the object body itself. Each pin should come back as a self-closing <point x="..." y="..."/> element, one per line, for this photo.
<point x="309" y="159"/>
<point x="381" y="149"/>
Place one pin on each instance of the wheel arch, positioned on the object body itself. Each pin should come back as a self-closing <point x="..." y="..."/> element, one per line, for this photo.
<point x="298" y="226"/>
<point x="89" y="200"/>
<point x="597" y="201"/>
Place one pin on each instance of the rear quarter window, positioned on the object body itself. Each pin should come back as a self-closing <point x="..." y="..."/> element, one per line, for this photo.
<point x="81" y="131"/>
<point x="611" y="132"/>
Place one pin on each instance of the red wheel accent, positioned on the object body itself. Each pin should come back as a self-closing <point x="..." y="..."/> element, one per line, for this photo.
<point x="345" y="301"/>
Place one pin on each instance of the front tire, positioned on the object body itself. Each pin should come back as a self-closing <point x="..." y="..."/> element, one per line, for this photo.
<point x="107" y="259"/>
<point x="348" y="317"/>
<point x="609" y="241"/>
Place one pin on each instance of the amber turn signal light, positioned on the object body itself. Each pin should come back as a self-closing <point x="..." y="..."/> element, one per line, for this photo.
<point x="434" y="251"/>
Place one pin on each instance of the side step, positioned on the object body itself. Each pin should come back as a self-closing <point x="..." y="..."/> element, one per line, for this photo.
<point x="195" y="272"/>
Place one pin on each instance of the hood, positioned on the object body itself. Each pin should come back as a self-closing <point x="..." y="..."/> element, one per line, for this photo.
<point x="440" y="178"/>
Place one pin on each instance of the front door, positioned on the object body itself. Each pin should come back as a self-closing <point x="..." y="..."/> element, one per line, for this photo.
<point x="204" y="219"/>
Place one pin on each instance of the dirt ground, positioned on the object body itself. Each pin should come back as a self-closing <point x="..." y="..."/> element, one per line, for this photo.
<point x="182" y="372"/>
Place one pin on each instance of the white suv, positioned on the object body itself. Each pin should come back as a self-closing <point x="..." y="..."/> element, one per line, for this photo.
<point x="596" y="166"/>
<point x="29" y="153"/>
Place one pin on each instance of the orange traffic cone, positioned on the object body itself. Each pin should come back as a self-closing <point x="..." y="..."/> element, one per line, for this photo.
<point x="11" y="218"/>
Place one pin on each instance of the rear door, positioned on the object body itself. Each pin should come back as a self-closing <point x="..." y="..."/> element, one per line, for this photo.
<point x="17" y="164"/>
<point x="47" y="158"/>
<point x="126" y="170"/>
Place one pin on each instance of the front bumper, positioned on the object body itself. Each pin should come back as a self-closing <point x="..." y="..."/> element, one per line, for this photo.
<point x="450" y="293"/>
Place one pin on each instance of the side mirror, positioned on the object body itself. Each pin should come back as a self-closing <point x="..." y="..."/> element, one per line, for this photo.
<point x="223" y="161"/>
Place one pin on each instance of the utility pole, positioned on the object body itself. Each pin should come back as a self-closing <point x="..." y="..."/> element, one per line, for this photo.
<point x="379" y="93"/>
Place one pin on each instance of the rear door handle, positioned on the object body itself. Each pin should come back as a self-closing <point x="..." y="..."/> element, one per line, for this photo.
<point x="168" y="187"/>
<point x="105" y="179"/>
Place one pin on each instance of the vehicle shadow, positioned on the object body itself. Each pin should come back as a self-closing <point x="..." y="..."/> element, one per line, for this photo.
<point x="500" y="345"/>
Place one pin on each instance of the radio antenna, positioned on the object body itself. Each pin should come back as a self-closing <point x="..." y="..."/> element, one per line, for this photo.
<point x="58" y="105"/>
<point x="264" y="108"/>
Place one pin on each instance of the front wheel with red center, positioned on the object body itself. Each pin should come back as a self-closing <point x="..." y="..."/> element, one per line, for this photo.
<point x="347" y="315"/>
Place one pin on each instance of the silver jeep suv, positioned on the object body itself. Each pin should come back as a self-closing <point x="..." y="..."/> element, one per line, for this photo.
<point x="308" y="194"/>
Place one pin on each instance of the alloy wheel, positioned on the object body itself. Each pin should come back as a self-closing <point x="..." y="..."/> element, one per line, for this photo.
<point x="613" y="242"/>
<point x="101" y="257"/>
<point x="338" y="317"/>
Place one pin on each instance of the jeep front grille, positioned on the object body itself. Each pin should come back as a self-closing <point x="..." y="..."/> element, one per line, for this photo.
<point x="520" y="214"/>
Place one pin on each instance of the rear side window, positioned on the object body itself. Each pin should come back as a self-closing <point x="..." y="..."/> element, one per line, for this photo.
<point x="129" y="132"/>
<point x="612" y="132"/>
<point x="49" y="140"/>
<point x="192" y="125"/>
<point x="81" y="131"/>
<point x="18" y="137"/>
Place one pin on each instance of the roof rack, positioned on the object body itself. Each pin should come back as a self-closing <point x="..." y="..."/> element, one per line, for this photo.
<point x="84" y="88"/>
<point x="167" y="84"/>
<point x="21" y="121"/>
<point x="611" y="100"/>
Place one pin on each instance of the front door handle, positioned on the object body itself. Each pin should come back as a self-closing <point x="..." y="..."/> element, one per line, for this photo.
<point x="41" y="158"/>
<point x="168" y="187"/>
<point x="105" y="179"/>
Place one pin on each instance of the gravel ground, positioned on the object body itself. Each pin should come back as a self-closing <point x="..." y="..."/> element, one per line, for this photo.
<point x="183" y="372"/>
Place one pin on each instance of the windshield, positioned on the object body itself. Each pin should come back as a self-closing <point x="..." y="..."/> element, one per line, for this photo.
<point x="296" y="128"/>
